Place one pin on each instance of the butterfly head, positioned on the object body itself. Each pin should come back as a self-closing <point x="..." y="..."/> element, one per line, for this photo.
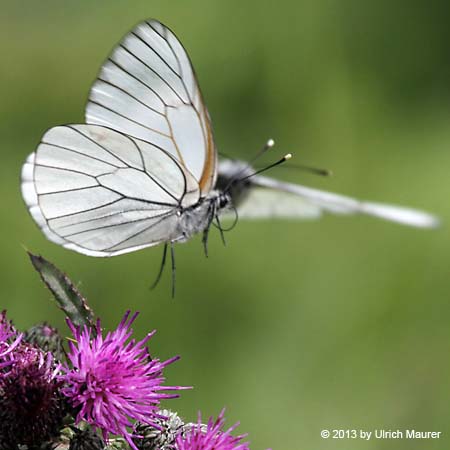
<point x="232" y="189"/>
<point x="223" y="201"/>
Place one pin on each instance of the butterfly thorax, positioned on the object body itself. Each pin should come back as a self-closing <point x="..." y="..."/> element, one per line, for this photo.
<point x="199" y="217"/>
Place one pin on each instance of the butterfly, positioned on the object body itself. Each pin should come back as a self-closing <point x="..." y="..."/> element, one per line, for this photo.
<point x="144" y="168"/>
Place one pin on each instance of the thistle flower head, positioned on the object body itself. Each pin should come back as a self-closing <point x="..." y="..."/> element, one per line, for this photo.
<point x="112" y="381"/>
<point x="210" y="437"/>
<point x="9" y="340"/>
<point x="6" y="328"/>
<point x="31" y="406"/>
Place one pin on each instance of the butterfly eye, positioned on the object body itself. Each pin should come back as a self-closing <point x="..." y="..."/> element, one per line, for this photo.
<point x="223" y="201"/>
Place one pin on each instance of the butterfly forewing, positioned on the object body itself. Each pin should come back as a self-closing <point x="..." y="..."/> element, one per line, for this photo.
<point x="99" y="192"/>
<point x="147" y="89"/>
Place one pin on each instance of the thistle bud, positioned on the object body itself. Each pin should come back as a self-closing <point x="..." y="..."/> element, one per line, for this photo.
<point x="159" y="439"/>
<point x="46" y="338"/>
<point x="86" y="439"/>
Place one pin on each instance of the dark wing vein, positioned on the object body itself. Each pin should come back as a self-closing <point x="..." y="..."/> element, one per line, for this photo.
<point x="129" y="95"/>
<point x="84" y="210"/>
<point x="195" y="86"/>
<point x="105" y="216"/>
<point x="99" y="145"/>
<point x="140" y="155"/>
<point x="145" y="171"/>
<point x="172" y="138"/>
<point x="139" y="232"/>
<point x="128" y="118"/>
<point x="150" y="202"/>
<point x="126" y="222"/>
<point x="154" y="71"/>
<point x="71" y="170"/>
<point x="82" y="154"/>
<point x="68" y="190"/>
<point x="155" y="30"/>
<point x="138" y="80"/>
<point x="157" y="54"/>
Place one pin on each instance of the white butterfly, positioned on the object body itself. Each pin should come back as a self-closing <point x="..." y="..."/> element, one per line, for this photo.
<point x="144" y="168"/>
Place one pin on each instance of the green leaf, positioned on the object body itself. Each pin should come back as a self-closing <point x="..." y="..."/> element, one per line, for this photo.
<point x="66" y="294"/>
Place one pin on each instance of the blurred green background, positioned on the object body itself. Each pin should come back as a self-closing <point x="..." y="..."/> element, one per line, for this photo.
<point x="294" y="326"/>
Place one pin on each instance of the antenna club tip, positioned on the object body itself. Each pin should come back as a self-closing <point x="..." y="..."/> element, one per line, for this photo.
<point x="288" y="156"/>
<point x="270" y="143"/>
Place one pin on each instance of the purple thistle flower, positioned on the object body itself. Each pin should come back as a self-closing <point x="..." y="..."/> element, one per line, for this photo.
<point x="31" y="405"/>
<point x="9" y="340"/>
<point x="211" y="436"/>
<point x="113" y="382"/>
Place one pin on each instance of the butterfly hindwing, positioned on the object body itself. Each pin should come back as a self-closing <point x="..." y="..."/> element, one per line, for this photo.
<point x="263" y="203"/>
<point x="343" y="205"/>
<point x="102" y="193"/>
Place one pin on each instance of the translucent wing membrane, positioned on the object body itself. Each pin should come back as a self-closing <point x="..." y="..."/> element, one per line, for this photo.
<point x="261" y="203"/>
<point x="298" y="201"/>
<point x="147" y="89"/>
<point x="96" y="191"/>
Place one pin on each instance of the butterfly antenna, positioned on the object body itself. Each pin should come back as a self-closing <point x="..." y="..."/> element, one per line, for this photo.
<point x="277" y="163"/>
<point x="269" y="144"/>
<point x="235" y="220"/>
<point x="161" y="268"/>
<point x="314" y="170"/>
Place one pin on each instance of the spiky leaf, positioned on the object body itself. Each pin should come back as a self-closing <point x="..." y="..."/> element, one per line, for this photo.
<point x="66" y="294"/>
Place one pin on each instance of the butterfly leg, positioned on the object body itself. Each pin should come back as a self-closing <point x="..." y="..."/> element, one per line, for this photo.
<point x="211" y="214"/>
<point x="161" y="268"/>
<point x="205" y="241"/>
<point x="222" y="235"/>
<point x="172" y="255"/>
